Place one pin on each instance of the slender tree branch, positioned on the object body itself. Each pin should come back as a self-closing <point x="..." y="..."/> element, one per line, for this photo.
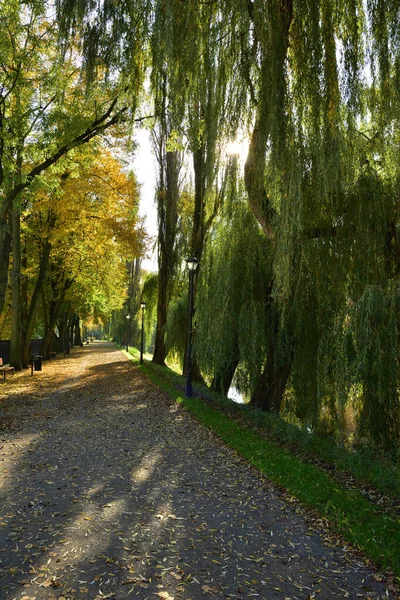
<point x="105" y="121"/>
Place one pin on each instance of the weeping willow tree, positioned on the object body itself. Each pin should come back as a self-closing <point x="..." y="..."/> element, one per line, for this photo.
<point x="208" y="104"/>
<point x="322" y="180"/>
<point x="168" y="147"/>
<point x="167" y="209"/>
<point x="232" y="320"/>
<point x="191" y="69"/>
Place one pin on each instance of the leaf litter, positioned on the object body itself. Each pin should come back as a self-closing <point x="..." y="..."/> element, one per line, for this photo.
<point x="109" y="490"/>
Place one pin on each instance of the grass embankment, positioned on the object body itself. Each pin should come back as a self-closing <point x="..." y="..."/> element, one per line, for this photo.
<point x="363" y="523"/>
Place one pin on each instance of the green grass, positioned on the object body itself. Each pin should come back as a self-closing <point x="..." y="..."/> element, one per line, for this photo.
<point x="349" y="513"/>
<point x="367" y="466"/>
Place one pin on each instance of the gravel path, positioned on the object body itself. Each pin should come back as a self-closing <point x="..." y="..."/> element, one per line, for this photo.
<point x="109" y="490"/>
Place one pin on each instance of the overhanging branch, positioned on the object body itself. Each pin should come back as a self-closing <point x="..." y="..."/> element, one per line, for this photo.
<point x="97" y="127"/>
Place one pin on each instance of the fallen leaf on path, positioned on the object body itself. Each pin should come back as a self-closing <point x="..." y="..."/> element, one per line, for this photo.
<point x="209" y="590"/>
<point x="165" y="595"/>
<point x="54" y="583"/>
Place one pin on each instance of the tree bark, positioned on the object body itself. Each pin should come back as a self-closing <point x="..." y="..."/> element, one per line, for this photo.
<point x="270" y="388"/>
<point x="223" y="379"/>
<point x="77" y="331"/>
<point x="35" y="300"/>
<point x="16" y="342"/>
<point x="5" y="244"/>
<point x="197" y="240"/>
<point x="24" y="306"/>
<point x="71" y="329"/>
<point x="167" y="227"/>
<point x="162" y="311"/>
<point x="55" y="312"/>
<point x="269" y="391"/>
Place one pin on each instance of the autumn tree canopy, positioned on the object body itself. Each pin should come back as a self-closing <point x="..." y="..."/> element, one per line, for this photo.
<point x="48" y="110"/>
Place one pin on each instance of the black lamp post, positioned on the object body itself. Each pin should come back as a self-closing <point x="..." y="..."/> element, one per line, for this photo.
<point x="192" y="266"/>
<point x="127" y="331"/>
<point x="142" y="306"/>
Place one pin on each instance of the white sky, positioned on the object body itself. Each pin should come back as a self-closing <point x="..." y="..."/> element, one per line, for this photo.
<point x="145" y="169"/>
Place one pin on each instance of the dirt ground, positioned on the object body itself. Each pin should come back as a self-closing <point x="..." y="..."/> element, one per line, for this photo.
<point x="108" y="489"/>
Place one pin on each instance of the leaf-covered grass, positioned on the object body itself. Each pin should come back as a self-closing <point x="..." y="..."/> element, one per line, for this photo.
<point x="350" y="514"/>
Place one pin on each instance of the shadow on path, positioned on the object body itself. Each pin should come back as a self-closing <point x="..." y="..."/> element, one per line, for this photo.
<point x="110" y="490"/>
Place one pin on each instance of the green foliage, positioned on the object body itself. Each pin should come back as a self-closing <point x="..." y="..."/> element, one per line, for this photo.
<point x="334" y="287"/>
<point x="374" y="326"/>
<point x="333" y="185"/>
<point x="149" y="295"/>
<point x="176" y="330"/>
<point x="231" y="317"/>
<point x="110" y="37"/>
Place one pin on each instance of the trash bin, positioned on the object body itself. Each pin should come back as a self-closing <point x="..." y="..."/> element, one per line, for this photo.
<point x="37" y="361"/>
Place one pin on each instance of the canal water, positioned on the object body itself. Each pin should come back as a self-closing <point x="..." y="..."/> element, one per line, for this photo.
<point x="235" y="395"/>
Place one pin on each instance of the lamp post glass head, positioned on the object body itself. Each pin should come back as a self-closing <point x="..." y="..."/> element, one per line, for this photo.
<point x="143" y="305"/>
<point x="192" y="263"/>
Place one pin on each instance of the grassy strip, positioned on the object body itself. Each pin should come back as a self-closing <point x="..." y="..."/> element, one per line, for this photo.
<point x="349" y="513"/>
<point x="368" y="468"/>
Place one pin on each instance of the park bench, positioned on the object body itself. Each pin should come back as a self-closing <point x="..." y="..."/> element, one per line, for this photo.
<point x="5" y="369"/>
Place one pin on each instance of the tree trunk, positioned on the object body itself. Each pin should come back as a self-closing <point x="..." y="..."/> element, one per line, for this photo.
<point x="162" y="310"/>
<point x="269" y="390"/>
<point x="198" y="231"/>
<point x="5" y="244"/>
<point x="223" y="379"/>
<point x="167" y="225"/>
<point x="35" y="300"/>
<point x="271" y="386"/>
<point x="62" y="323"/>
<point x="71" y="328"/>
<point x="197" y="241"/>
<point x="16" y="345"/>
<point x="24" y="307"/>
<point x="45" y="348"/>
<point x="77" y="332"/>
<point x="55" y="312"/>
<point x="196" y="372"/>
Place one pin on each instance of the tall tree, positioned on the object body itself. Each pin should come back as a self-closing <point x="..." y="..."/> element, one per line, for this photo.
<point x="167" y="208"/>
<point x="198" y="64"/>
<point x="312" y="167"/>
<point x="44" y="110"/>
<point x="169" y="112"/>
<point x="232" y="322"/>
<point x="82" y="245"/>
